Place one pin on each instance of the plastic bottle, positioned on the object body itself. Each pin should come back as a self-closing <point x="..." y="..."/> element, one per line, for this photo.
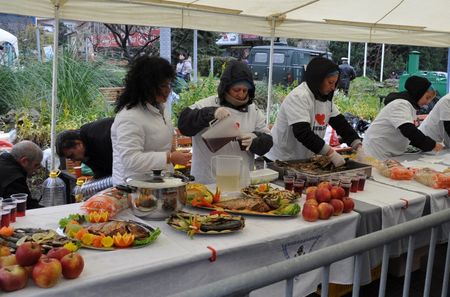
<point x="53" y="190"/>
<point x="77" y="191"/>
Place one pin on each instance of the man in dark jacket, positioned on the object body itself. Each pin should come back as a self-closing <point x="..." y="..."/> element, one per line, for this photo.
<point x="347" y="74"/>
<point x="23" y="161"/>
<point x="90" y="145"/>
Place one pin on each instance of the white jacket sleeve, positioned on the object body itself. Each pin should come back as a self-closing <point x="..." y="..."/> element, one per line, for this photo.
<point x="130" y="146"/>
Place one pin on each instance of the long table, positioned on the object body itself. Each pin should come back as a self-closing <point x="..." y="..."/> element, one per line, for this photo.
<point x="175" y="263"/>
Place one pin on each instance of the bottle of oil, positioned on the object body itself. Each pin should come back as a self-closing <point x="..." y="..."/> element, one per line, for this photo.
<point x="77" y="192"/>
<point x="53" y="190"/>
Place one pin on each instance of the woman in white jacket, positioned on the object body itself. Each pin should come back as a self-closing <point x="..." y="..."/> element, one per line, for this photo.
<point x="142" y="131"/>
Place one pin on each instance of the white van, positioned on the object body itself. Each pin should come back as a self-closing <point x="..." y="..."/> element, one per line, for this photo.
<point x="9" y="49"/>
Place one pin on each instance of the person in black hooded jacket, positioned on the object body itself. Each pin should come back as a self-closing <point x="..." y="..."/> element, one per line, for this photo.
<point x="235" y="98"/>
<point x="393" y="128"/>
<point x="305" y="113"/>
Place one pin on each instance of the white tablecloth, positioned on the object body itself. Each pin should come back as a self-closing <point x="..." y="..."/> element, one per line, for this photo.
<point x="175" y="262"/>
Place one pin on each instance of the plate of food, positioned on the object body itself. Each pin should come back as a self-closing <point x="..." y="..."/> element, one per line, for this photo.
<point x="259" y="200"/>
<point x="96" y="231"/>
<point x="212" y="224"/>
<point x="48" y="239"/>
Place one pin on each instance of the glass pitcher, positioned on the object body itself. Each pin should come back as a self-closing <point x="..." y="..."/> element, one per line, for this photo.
<point x="231" y="172"/>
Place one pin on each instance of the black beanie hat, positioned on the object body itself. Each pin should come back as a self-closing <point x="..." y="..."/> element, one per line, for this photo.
<point x="316" y="71"/>
<point x="417" y="86"/>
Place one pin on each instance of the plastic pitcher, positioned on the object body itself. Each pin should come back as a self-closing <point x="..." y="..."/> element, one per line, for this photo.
<point x="220" y="133"/>
<point x="230" y="171"/>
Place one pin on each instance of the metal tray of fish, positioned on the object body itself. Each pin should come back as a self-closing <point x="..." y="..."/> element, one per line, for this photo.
<point x="246" y="212"/>
<point x="305" y="167"/>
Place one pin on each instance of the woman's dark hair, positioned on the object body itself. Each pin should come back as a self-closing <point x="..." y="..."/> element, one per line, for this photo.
<point x="65" y="140"/>
<point x="316" y="71"/>
<point x="143" y="81"/>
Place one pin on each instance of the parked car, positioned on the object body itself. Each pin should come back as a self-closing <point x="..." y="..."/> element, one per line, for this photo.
<point x="288" y="62"/>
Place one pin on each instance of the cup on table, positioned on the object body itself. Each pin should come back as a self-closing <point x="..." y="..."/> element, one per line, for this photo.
<point x="5" y="217"/>
<point x="300" y="176"/>
<point x="289" y="182"/>
<point x="11" y="204"/>
<point x="77" y="171"/>
<point x="335" y="180"/>
<point x="346" y="186"/>
<point x="299" y="185"/>
<point x="362" y="181"/>
<point x="354" y="182"/>
<point x="21" y="200"/>
<point x="312" y="181"/>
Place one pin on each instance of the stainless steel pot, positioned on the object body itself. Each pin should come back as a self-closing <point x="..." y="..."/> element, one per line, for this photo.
<point x="156" y="196"/>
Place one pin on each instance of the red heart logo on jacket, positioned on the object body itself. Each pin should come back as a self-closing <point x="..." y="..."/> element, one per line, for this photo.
<point x="320" y="118"/>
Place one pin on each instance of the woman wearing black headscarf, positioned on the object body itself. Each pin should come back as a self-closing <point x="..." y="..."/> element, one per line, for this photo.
<point x="305" y="113"/>
<point x="234" y="98"/>
<point x="393" y="128"/>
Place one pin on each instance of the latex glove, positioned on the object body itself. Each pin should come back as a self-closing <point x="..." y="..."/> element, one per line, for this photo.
<point x="438" y="147"/>
<point x="246" y="140"/>
<point x="221" y="113"/>
<point x="337" y="159"/>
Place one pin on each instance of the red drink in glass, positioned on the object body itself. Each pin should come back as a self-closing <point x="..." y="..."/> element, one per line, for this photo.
<point x="346" y="187"/>
<point x="21" y="207"/>
<point x="354" y="186"/>
<point x="5" y="218"/>
<point x="299" y="186"/>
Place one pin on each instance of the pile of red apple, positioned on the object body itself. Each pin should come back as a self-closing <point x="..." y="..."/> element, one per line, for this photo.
<point x="45" y="270"/>
<point x="324" y="201"/>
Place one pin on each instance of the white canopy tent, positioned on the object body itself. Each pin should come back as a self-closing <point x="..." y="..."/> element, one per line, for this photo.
<point x="412" y="22"/>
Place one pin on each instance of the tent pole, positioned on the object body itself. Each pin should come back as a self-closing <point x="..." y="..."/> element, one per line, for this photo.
<point x="365" y="59"/>
<point x="195" y="62"/>
<point x="349" y="52"/>
<point x="382" y="63"/>
<point x="54" y="86"/>
<point x="448" y="69"/>
<point x="269" y="82"/>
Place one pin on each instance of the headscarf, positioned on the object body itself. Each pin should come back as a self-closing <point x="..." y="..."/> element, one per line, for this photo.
<point x="415" y="86"/>
<point x="316" y="71"/>
<point x="236" y="72"/>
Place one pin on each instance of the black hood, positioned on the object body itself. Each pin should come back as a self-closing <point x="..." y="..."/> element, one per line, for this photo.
<point x="236" y="71"/>
<point x="316" y="71"/>
<point x="415" y="88"/>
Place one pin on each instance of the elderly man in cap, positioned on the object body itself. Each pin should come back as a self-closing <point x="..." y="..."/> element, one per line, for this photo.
<point x="347" y="74"/>
<point x="21" y="162"/>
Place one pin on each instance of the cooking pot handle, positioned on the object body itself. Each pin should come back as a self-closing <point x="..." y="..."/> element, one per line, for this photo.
<point x="124" y="188"/>
<point x="185" y="178"/>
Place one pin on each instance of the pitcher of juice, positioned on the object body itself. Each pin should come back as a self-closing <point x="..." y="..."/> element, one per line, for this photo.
<point x="231" y="173"/>
<point x="221" y="133"/>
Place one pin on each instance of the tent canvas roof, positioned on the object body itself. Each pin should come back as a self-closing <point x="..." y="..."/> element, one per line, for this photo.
<point x="414" y="22"/>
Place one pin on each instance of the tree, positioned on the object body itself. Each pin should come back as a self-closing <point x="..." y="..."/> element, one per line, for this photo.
<point x="182" y="41"/>
<point x="122" y="35"/>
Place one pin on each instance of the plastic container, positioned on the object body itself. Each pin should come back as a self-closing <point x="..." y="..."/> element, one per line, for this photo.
<point x="77" y="192"/>
<point x="220" y="133"/>
<point x="53" y="190"/>
<point x="262" y="176"/>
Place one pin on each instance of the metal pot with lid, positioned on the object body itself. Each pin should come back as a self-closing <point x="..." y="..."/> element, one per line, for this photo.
<point x="156" y="196"/>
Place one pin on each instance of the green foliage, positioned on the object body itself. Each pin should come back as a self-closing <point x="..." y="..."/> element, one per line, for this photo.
<point x="204" y="88"/>
<point x="204" y="65"/>
<point x="30" y="87"/>
<point x="363" y="100"/>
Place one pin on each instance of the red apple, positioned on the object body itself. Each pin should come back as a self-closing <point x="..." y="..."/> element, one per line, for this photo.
<point x="8" y="260"/>
<point x="312" y="201"/>
<point x="323" y="195"/>
<point x="310" y="189"/>
<point x="310" y="212"/>
<point x="72" y="265"/>
<point x="58" y="253"/>
<point x="311" y="195"/>
<point x="348" y="204"/>
<point x="325" y="210"/>
<point x="338" y="206"/>
<point x="13" y="278"/>
<point x="47" y="272"/>
<point x="324" y="184"/>
<point x="337" y="192"/>
<point x="28" y="253"/>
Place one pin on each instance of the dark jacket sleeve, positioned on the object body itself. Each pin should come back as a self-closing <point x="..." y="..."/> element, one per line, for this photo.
<point x="343" y="129"/>
<point x="304" y="134"/>
<point x="261" y="144"/>
<point x="192" y="121"/>
<point x="417" y="138"/>
<point x="20" y="186"/>
<point x="447" y="127"/>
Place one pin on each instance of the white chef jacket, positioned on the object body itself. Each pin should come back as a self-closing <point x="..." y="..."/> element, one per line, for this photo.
<point x="141" y="137"/>
<point x="250" y="121"/>
<point x="299" y="106"/>
<point x="433" y="125"/>
<point x="383" y="139"/>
